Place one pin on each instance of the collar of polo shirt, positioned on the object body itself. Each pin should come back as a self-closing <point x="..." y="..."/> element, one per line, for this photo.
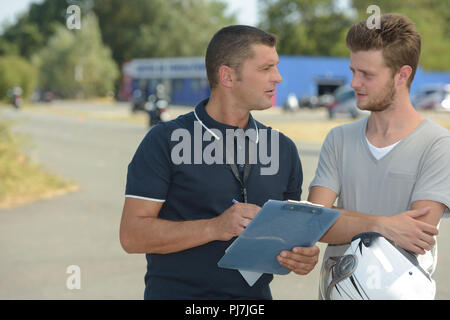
<point x="209" y="123"/>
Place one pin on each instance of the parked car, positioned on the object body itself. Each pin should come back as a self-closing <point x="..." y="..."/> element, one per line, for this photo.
<point x="432" y="97"/>
<point x="313" y="102"/>
<point x="308" y="101"/>
<point x="345" y="102"/>
<point x="325" y="100"/>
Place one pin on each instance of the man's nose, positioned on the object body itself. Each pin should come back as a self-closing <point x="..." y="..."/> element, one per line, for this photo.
<point x="355" y="83"/>
<point x="277" y="76"/>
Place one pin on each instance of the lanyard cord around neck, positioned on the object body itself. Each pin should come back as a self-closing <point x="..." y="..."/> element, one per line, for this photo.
<point x="236" y="174"/>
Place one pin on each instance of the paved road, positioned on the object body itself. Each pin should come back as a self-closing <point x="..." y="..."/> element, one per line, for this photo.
<point x="39" y="241"/>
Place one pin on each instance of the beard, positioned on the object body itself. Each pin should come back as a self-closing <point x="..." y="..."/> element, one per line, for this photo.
<point x="383" y="101"/>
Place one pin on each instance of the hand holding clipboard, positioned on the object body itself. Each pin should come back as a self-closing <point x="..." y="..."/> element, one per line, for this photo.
<point x="278" y="226"/>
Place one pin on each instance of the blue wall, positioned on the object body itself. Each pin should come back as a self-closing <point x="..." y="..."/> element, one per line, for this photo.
<point x="301" y="74"/>
<point x="189" y="91"/>
<point x="423" y="78"/>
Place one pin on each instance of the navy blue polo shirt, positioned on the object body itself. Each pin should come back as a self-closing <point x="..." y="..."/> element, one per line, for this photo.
<point x="171" y="166"/>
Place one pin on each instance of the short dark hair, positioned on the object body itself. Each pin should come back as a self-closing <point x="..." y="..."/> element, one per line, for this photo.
<point x="397" y="38"/>
<point x="231" y="46"/>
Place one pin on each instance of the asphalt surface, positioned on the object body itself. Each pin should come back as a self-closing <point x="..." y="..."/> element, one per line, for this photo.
<point x="39" y="241"/>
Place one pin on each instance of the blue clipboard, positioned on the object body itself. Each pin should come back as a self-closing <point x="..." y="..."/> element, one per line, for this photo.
<point x="278" y="226"/>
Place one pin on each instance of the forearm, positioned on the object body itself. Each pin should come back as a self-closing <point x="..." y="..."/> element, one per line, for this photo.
<point x="141" y="231"/>
<point x="154" y="235"/>
<point x="412" y="230"/>
<point x="349" y="224"/>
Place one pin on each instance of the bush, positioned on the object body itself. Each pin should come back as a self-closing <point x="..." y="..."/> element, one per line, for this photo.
<point x="17" y="71"/>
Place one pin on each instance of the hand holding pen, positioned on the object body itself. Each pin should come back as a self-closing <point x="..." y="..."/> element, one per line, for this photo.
<point x="234" y="220"/>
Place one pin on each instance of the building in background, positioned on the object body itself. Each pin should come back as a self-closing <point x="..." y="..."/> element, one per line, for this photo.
<point x="305" y="76"/>
<point x="184" y="78"/>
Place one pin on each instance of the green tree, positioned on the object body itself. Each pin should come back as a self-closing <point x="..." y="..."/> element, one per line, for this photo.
<point x="306" y="27"/>
<point x="317" y="27"/>
<point x="159" y="28"/>
<point x="17" y="71"/>
<point x="132" y="28"/>
<point x="76" y="63"/>
<point x="34" y="27"/>
<point x="22" y="39"/>
<point x="432" y="19"/>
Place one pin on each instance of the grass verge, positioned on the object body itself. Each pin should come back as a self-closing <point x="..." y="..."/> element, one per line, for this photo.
<point x="21" y="180"/>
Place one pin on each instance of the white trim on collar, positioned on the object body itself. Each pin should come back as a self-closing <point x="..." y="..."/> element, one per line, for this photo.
<point x="216" y="136"/>
<point x="212" y="133"/>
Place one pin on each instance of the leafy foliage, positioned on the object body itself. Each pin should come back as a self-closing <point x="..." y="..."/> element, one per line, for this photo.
<point x="432" y="19"/>
<point x="75" y="63"/>
<point x="17" y="71"/>
<point x="319" y="27"/>
<point x="159" y="28"/>
<point x="131" y="29"/>
<point x="306" y="27"/>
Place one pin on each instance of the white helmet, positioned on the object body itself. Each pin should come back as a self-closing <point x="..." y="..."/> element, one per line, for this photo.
<point x="373" y="268"/>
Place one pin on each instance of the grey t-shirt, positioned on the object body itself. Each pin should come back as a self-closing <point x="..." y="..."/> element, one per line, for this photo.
<point x="417" y="168"/>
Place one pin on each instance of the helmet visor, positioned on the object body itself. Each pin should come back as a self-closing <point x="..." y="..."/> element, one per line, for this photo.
<point x="334" y="270"/>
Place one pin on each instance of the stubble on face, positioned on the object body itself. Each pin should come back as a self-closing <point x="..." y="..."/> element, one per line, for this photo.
<point x="382" y="101"/>
<point x="254" y="77"/>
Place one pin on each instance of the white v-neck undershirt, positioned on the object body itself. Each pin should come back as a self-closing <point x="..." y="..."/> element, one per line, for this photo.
<point x="379" y="153"/>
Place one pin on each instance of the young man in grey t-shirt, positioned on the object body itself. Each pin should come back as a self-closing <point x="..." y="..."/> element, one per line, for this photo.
<point x="389" y="171"/>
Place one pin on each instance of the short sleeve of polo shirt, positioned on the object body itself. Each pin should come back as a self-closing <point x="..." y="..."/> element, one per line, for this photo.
<point x="148" y="175"/>
<point x="433" y="182"/>
<point x="327" y="172"/>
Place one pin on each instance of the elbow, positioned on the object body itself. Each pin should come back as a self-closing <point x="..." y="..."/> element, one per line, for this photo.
<point x="127" y="243"/>
<point x="127" y="237"/>
<point x="133" y="241"/>
<point x="329" y="236"/>
<point x="131" y="245"/>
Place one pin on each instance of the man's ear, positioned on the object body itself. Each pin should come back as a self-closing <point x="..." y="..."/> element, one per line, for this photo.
<point x="403" y="75"/>
<point x="226" y="76"/>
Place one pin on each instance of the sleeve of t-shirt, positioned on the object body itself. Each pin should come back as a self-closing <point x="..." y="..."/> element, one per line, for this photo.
<point x="148" y="175"/>
<point x="327" y="173"/>
<point x="294" y="189"/>
<point x="433" y="182"/>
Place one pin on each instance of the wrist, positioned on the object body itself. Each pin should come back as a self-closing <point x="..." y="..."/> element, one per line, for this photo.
<point x="211" y="229"/>
<point x="379" y="225"/>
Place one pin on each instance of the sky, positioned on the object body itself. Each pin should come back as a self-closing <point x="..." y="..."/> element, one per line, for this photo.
<point x="246" y="10"/>
<point x="10" y="8"/>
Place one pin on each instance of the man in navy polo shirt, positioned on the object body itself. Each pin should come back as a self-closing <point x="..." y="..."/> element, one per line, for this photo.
<point x="186" y="172"/>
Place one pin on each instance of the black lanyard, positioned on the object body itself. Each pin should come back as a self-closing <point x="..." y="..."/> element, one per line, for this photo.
<point x="247" y="168"/>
